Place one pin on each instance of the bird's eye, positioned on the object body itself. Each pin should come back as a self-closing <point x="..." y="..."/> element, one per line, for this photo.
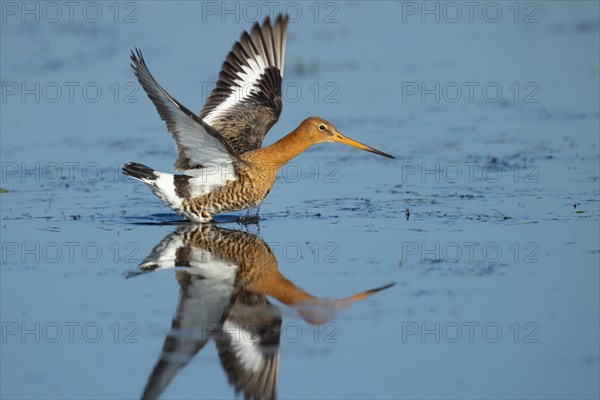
<point x="322" y="127"/>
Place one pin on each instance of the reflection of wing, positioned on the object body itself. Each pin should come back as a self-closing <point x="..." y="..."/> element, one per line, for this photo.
<point x="206" y="286"/>
<point x="246" y="101"/>
<point x="196" y="143"/>
<point x="248" y="345"/>
<point x="202" y="302"/>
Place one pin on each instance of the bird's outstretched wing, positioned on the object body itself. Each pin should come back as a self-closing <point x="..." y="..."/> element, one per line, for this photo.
<point x="196" y="142"/>
<point x="246" y="101"/>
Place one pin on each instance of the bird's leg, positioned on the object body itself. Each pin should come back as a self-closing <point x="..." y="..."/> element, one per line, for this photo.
<point x="252" y="215"/>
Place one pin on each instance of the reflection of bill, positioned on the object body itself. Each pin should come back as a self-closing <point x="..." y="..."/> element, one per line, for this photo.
<point x="225" y="277"/>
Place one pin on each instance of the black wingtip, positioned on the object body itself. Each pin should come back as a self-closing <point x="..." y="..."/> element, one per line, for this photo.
<point x="133" y="274"/>
<point x="257" y="27"/>
<point x="137" y="58"/>
<point x="282" y="19"/>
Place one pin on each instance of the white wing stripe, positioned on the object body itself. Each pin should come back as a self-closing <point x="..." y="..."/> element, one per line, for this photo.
<point x="246" y="85"/>
<point x="245" y="345"/>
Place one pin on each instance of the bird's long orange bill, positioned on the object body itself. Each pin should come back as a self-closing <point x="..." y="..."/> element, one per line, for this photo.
<point x="338" y="137"/>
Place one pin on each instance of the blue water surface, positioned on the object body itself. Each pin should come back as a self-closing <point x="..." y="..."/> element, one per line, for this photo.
<point x="487" y="220"/>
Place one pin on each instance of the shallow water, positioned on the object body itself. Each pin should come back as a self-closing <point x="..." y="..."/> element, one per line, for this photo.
<point x="488" y="221"/>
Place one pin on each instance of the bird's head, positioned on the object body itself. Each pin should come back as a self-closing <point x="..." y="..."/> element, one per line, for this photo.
<point x="318" y="130"/>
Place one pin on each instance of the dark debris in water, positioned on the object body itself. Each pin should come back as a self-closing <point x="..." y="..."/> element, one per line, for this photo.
<point x="582" y="26"/>
<point x="50" y="229"/>
<point x="467" y="269"/>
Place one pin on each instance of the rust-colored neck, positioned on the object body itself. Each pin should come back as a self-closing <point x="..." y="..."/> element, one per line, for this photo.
<point x="276" y="285"/>
<point x="312" y="309"/>
<point x="284" y="149"/>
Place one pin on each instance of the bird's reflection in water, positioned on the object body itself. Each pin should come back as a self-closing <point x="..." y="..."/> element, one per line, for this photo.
<point x="224" y="279"/>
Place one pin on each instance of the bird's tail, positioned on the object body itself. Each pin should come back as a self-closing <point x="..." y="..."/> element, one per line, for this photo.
<point x="140" y="172"/>
<point x="162" y="184"/>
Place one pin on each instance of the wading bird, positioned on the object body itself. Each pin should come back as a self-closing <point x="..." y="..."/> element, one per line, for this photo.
<point x="224" y="166"/>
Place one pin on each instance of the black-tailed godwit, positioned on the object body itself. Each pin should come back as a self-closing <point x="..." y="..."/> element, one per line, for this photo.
<point x="224" y="166"/>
